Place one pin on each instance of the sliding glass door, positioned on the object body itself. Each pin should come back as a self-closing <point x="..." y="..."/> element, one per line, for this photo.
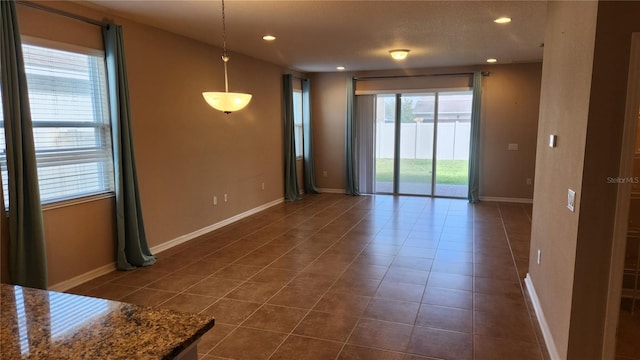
<point x="422" y="143"/>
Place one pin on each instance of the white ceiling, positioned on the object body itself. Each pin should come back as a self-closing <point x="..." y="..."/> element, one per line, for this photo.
<point x="318" y="35"/>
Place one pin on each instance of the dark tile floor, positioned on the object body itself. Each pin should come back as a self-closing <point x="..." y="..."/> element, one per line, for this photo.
<point x="343" y="277"/>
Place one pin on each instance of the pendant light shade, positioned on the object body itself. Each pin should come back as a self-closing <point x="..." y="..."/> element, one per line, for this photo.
<point x="226" y="101"/>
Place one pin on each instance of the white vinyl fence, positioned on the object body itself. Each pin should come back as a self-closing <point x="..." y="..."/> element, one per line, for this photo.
<point x="417" y="140"/>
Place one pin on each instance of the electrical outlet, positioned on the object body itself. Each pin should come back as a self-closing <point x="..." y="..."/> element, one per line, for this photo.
<point x="215" y="200"/>
<point x="225" y="197"/>
<point x="529" y="181"/>
<point x="324" y="173"/>
<point x="539" y="259"/>
<point x="262" y="186"/>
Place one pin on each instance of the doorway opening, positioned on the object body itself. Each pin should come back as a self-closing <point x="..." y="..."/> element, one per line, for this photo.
<point x="422" y="143"/>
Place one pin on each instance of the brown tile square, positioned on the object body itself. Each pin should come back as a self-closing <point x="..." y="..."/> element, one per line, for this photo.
<point x="504" y="288"/>
<point x="488" y="348"/>
<point x="275" y="318"/>
<point x="446" y="318"/>
<point x="296" y="297"/>
<point x="441" y="344"/>
<point x="366" y="271"/>
<point x="407" y="276"/>
<point x="215" y="287"/>
<point x="209" y="340"/>
<point x="201" y="267"/>
<point x="139" y="278"/>
<point x="148" y="297"/>
<point x="241" y="344"/>
<point x="353" y="305"/>
<point x="297" y="347"/>
<point x="516" y="326"/>
<point x="175" y="283"/>
<point x="448" y="297"/>
<point x="307" y="280"/>
<point x="496" y="304"/>
<point x="237" y="272"/>
<point x="399" y="291"/>
<point x="188" y="303"/>
<point x="363" y="287"/>
<point x="353" y="352"/>
<point x="278" y="276"/>
<point x="255" y="292"/>
<point x="392" y="310"/>
<point x="111" y="291"/>
<point x="326" y="326"/>
<point x="450" y="281"/>
<point x="413" y="263"/>
<point x="230" y="311"/>
<point x="381" y="334"/>
<point x="452" y="267"/>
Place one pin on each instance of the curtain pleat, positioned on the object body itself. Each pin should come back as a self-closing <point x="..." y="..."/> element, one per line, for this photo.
<point x="132" y="247"/>
<point x="351" y="142"/>
<point x="27" y="250"/>
<point x="474" y="145"/>
<point x="309" y="165"/>
<point x="291" y="190"/>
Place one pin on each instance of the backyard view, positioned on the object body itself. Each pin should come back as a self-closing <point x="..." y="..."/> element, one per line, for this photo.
<point x="430" y="125"/>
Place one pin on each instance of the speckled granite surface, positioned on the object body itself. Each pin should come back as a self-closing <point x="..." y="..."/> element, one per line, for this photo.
<point x="38" y="324"/>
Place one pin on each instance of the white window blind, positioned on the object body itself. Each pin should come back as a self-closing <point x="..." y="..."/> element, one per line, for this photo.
<point x="70" y="113"/>
<point x="297" y="122"/>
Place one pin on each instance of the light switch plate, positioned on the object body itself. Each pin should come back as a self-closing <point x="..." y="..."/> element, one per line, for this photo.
<point x="552" y="140"/>
<point x="571" y="200"/>
<point x="512" y="147"/>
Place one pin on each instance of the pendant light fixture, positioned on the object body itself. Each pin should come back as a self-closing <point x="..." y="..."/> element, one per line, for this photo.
<point x="226" y="101"/>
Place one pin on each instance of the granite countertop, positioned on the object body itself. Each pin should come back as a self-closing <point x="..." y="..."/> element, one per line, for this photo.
<point x="40" y="324"/>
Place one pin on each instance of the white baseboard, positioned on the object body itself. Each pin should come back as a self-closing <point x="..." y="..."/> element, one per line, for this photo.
<point x="544" y="326"/>
<point x="506" y="199"/>
<point x="90" y="275"/>
<point x="77" y="280"/>
<point x="184" y="238"/>
<point x="331" y="191"/>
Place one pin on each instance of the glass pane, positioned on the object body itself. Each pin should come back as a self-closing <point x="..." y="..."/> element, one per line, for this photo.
<point x="385" y="142"/>
<point x="454" y="131"/>
<point x="297" y="120"/>
<point x="416" y="144"/>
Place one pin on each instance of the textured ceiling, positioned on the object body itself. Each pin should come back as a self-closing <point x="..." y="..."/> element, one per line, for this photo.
<point x="317" y="36"/>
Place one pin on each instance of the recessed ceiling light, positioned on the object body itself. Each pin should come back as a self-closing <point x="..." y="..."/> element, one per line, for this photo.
<point x="491" y="61"/>
<point x="502" y="20"/>
<point x="340" y="68"/>
<point x="399" y="54"/>
<point x="268" y="38"/>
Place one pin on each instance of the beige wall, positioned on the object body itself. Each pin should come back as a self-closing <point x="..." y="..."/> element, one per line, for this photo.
<point x="186" y="152"/>
<point x="509" y="115"/>
<point x="564" y="102"/>
<point x="328" y="112"/>
<point x="587" y="49"/>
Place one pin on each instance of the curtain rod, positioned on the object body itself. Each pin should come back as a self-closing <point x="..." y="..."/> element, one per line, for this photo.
<point x="484" y="73"/>
<point x="62" y="13"/>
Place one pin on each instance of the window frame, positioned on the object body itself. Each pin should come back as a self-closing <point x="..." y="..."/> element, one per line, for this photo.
<point x="101" y="123"/>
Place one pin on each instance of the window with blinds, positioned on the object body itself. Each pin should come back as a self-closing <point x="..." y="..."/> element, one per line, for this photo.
<point x="71" y="128"/>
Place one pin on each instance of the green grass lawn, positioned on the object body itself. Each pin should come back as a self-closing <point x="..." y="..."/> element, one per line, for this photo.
<point x="419" y="171"/>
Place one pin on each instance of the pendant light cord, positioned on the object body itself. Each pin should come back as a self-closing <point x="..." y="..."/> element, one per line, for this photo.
<point x="225" y="57"/>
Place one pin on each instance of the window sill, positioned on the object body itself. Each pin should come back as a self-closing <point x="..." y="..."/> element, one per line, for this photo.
<point x="77" y="201"/>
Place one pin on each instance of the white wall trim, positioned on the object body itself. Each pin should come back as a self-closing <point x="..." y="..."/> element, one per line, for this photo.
<point x="331" y="191"/>
<point x="82" y="278"/>
<point x="544" y="326"/>
<point x="205" y="230"/>
<point x="506" y="199"/>
<point x="90" y="275"/>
